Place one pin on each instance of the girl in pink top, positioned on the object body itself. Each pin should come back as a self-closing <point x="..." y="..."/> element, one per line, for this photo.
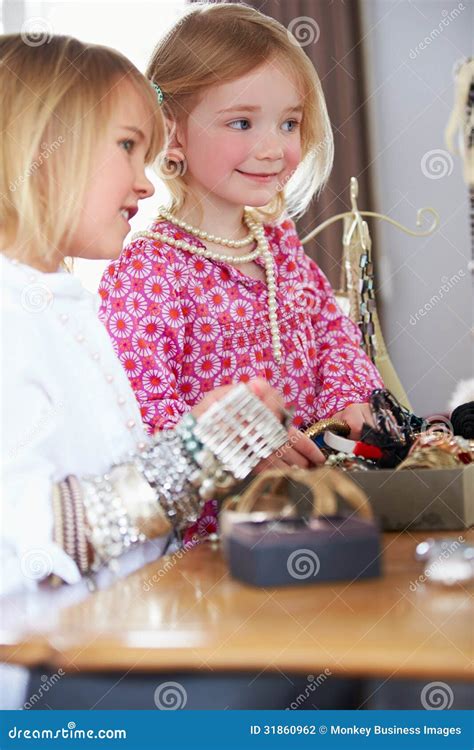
<point x="250" y="145"/>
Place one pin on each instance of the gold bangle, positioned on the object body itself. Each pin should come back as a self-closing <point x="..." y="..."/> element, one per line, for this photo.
<point x="335" y="425"/>
<point x="139" y="500"/>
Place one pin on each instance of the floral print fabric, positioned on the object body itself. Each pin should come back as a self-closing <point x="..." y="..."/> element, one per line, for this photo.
<point x="183" y="325"/>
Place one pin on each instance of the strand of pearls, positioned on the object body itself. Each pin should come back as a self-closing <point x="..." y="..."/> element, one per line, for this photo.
<point x="262" y="250"/>
<point x="201" y="234"/>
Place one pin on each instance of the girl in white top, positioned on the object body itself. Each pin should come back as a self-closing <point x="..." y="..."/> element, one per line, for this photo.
<point x="78" y="125"/>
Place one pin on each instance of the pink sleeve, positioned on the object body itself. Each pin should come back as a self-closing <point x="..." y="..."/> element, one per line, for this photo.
<point x="346" y="375"/>
<point x="142" y="312"/>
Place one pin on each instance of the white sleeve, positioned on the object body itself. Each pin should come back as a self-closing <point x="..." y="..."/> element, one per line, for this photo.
<point x="28" y="424"/>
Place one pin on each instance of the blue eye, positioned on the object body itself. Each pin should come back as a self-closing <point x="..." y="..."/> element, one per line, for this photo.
<point x="294" y="123"/>
<point x="236" y="122"/>
<point x="128" y="145"/>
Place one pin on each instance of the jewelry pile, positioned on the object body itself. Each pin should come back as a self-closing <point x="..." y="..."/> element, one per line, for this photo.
<point x="399" y="440"/>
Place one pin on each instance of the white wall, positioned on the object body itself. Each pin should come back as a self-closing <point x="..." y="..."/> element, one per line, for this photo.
<point x="411" y="48"/>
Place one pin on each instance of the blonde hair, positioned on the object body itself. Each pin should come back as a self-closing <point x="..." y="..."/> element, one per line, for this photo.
<point x="57" y="99"/>
<point x="217" y="43"/>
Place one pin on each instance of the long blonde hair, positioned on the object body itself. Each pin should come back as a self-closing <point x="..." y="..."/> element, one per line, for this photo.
<point x="217" y="43"/>
<point x="56" y="103"/>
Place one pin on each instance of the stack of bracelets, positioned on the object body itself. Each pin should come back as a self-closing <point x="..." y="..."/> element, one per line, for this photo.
<point x="163" y="488"/>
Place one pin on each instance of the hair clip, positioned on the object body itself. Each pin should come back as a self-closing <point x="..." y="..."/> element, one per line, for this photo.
<point x="159" y="92"/>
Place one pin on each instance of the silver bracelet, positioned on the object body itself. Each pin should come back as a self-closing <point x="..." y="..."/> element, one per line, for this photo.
<point x="239" y="431"/>
<point x="109" y="529"/>
<point x="174" y="476"/>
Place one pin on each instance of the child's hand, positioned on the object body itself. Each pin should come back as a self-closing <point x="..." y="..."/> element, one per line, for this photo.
<point x="298" y="451"/>
<point x="355" y="415"/>
<point x="270" y="397"/>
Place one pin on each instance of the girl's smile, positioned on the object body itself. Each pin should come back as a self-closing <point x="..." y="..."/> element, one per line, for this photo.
<point x="262" y="177"/>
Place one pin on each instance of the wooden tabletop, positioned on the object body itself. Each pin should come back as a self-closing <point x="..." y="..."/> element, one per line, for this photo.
<point x="184" y="612"/>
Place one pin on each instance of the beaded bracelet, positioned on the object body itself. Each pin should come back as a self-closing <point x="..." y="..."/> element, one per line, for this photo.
<point x="82" y="552"/>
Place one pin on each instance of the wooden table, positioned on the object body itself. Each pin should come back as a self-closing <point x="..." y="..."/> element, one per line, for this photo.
<point x="185" y="612"/>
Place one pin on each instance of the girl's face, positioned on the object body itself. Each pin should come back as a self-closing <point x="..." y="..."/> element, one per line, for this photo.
<point x="242" y="141"/>
<point x="117" y="182"/>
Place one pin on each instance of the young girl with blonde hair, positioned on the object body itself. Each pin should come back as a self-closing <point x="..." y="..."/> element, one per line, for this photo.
<point x="219" y="289"/>
<point x="83" y="483"/>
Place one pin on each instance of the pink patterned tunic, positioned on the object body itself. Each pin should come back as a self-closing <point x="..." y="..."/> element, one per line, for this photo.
<point x="183" y="325"/>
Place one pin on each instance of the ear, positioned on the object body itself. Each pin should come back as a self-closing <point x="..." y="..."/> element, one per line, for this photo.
<point x="176" y="141"/>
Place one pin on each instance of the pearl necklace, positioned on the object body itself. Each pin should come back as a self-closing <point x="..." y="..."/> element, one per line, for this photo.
<point x="261" y="251"/>
<point x="200" y="233"/>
